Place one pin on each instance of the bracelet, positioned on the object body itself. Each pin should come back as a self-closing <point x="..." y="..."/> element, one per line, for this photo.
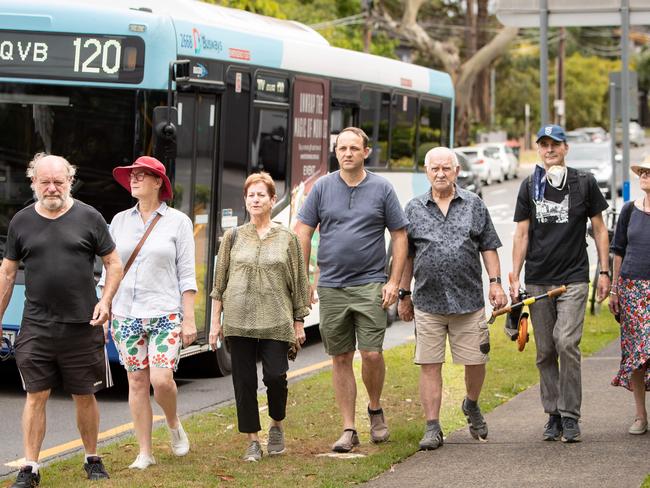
<point x="613" y="293"/>
<point x="604" y="273"/>
<point x="496" y="280"/>
<point x="299" y="319"/>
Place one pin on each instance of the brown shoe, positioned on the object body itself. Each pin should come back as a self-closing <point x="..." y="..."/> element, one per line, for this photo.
<point x="378" y="428"/>
<point x="348" y="440"/>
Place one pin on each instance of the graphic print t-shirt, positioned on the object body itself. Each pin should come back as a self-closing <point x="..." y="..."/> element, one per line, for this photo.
<point x="557" y="246"/>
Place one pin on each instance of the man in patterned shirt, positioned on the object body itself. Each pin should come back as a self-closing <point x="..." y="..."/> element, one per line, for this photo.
<point x="449" y="229"/>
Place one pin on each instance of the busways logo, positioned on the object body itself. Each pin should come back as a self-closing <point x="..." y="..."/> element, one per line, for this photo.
<point x="201" y="42"/>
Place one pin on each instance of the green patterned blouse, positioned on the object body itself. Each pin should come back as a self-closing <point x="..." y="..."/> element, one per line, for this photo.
<point x="262" y="283"/>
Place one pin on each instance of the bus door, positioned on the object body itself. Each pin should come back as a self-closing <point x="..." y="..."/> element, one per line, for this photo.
<point x="194" y="184"/>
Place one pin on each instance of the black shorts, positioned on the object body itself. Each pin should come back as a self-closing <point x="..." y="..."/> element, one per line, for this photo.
<point x="69" y="355"/>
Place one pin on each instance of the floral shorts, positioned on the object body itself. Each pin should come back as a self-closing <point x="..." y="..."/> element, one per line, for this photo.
<point x="144" y="343"/>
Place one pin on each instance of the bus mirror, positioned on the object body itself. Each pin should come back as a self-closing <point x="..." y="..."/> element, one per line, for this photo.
<point x="181" y="70"/>
<point x="165" y="121"/>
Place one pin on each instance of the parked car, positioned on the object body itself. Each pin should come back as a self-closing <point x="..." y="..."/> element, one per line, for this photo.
<point x="637" y="134"/>
<point x="597" y="134"/>
<point x="509" y="161"/>
<point x="485" y="163"/>
<point x="596" y="158"/>
<point x="467" y="177"/>
<point x="577" y="136"/>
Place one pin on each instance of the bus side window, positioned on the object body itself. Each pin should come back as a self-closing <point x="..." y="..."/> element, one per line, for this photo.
<point x="431" y="128"/>
<point x="374" y="120"/>
<point x="402" y="141"/>
<point x="269" y="146"/>
<point x="340" y="118"/>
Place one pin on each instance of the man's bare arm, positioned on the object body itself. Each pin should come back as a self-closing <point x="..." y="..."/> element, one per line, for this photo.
<point x="114" y="273"/>
<point x="8" y="271"/>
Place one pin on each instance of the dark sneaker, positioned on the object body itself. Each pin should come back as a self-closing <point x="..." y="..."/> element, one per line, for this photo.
<point x="26" y="479"/>
<point x="95" y="469"/>
<point x="432" y="438"/>
<point x="477" y="426"/>
<point x="275" y="445"/>
<point x="378" y="428"/>
<point x="570" y="430"/>
<point x="553" y="428"/>
<point x="348" y="440"/>
<point x="253" y="452"/>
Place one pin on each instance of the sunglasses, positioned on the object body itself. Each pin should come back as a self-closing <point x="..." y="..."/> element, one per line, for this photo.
<point x="643" y="172"/>
<point x="138" y="176"/>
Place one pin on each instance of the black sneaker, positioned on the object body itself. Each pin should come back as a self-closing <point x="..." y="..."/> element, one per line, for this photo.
<point x="26" y="479"/>
<point x="570" y="430"/>
<point x="477" y="426"/>
<point x="95" y="469"/>
<point x="553" y="428"/>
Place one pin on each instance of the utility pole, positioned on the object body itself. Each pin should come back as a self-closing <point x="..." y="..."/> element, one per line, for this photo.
<point x="625" y="96"/>
<point x="543" y="60"/>
<point x="559" y="85"/>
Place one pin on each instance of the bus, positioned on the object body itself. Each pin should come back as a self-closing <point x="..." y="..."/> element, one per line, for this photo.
<point x="215" y="93"/>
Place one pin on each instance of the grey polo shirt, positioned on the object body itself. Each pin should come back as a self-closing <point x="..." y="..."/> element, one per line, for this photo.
<point x="353" y="221"/>
<point x="446" y="250"/>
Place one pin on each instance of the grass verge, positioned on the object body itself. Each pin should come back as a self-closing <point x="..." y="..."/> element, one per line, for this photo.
<point x="313" y="424"/>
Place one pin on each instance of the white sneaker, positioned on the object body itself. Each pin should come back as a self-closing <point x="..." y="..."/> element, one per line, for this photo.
<point x="639" y="427"/>
<point x="142" y="462"/>
<point x="180" y="442"/>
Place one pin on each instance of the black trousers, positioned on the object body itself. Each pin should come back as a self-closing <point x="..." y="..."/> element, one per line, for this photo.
<point x="275" y="364"/>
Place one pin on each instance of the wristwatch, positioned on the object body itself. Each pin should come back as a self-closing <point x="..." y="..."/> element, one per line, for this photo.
<point x="496" y="280"/>
<point x="402" y="293"/>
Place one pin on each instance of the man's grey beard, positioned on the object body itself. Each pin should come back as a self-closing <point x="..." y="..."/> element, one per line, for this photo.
<point x="52" y="204"/>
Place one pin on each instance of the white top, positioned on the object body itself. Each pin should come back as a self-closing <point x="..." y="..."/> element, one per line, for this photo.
<point x="162" y="270"/>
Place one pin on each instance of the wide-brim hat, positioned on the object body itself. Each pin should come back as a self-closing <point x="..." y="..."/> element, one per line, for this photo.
<point x="645" y="164"/>
<point x="122" y="174"/>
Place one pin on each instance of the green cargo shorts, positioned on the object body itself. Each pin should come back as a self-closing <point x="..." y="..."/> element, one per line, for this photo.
<point x="351" y="318"/>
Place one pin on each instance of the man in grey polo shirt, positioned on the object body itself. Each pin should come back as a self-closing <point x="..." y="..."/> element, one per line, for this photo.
<point x="449" y="231"/>
<point x="353" y="208"/>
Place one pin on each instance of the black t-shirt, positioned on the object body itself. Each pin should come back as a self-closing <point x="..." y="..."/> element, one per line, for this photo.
<point x="557" y="246"/>
<point x="59" y="256"/>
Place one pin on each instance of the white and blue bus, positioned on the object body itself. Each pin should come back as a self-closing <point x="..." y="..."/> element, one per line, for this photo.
<point x="213" y="92"/>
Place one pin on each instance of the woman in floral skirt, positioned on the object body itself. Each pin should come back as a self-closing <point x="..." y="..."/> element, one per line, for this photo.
<point x="153" y="310"/>
<point x="630" y="297"/>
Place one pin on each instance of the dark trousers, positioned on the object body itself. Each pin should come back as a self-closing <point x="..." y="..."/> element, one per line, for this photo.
<point x="275" y="364"/>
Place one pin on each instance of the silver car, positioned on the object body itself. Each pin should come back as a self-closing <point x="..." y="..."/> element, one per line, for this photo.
<point x="637" y="134"/>
<point x="596" y="158"/>
<point x="485" y="162"/>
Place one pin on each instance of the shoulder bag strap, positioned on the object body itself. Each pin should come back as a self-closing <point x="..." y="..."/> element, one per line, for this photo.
<point x="141" y="243"/>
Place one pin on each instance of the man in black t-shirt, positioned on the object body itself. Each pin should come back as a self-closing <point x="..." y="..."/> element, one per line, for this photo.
<point x="553" y="207"/>
<point x="61" y="339"/>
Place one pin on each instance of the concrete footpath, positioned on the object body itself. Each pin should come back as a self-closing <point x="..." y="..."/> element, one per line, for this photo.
<point x="515" y="455"/>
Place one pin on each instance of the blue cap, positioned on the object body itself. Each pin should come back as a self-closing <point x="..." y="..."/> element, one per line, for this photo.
<point x="555" y="132"/>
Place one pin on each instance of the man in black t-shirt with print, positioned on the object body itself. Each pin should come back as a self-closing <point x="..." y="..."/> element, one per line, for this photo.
<point x="553" y="207"/>
<point x="61" y="339"/>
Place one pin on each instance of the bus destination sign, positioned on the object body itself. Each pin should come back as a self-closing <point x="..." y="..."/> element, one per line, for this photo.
<point x="65" y="56"/>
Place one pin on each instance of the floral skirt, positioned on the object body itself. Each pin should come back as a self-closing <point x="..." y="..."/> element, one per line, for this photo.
<point x="634" y="301"/>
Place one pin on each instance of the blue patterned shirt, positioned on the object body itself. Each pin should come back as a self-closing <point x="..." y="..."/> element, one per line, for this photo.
<point x="446" y="252"/>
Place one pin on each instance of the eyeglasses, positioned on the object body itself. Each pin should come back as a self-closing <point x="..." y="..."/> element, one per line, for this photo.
<point x="643" y="172"/>
<point x="138" y="176"/>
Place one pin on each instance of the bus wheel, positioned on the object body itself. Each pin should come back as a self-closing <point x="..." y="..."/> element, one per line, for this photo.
<point x="224" y="362"/>
<point x="215" y="363"/>
<point x="392" y="314"/>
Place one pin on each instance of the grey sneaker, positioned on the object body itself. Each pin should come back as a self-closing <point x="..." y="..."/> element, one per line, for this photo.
<point x="432" y="438"/>
<point x="276" y="441"/>
<point x="570" y="430"/>
<point x="638" y="427"/>
<point x="348" y="440"/>
<point x="477" y="426"/>
<point x="254" y="452"/>
<point x="378" y="428"/>
<point x="553" y="428"/>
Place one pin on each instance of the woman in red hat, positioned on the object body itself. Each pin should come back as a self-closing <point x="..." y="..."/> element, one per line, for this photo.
<point x="153" y="310"/>
<point x="630" y="296"/>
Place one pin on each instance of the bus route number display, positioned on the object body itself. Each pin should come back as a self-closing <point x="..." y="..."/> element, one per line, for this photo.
<point x="64" y="56"/>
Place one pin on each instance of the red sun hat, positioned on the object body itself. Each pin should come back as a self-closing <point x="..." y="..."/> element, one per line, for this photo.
<point x="122" y="174"/>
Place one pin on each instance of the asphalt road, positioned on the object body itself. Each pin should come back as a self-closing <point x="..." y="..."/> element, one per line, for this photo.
<point x="197" y="393"/>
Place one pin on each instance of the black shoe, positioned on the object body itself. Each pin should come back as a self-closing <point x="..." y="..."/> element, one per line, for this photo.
<point x="570" y="430"/>
<point x="95" y="469"/>
<point x="477" y="426"/>
<point x="432" y="439"/>
<point x="26" y="479"/>
<point x="553" y="428"/>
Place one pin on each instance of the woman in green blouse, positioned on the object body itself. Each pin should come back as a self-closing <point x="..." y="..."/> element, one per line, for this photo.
<point x="262" y="288"/>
